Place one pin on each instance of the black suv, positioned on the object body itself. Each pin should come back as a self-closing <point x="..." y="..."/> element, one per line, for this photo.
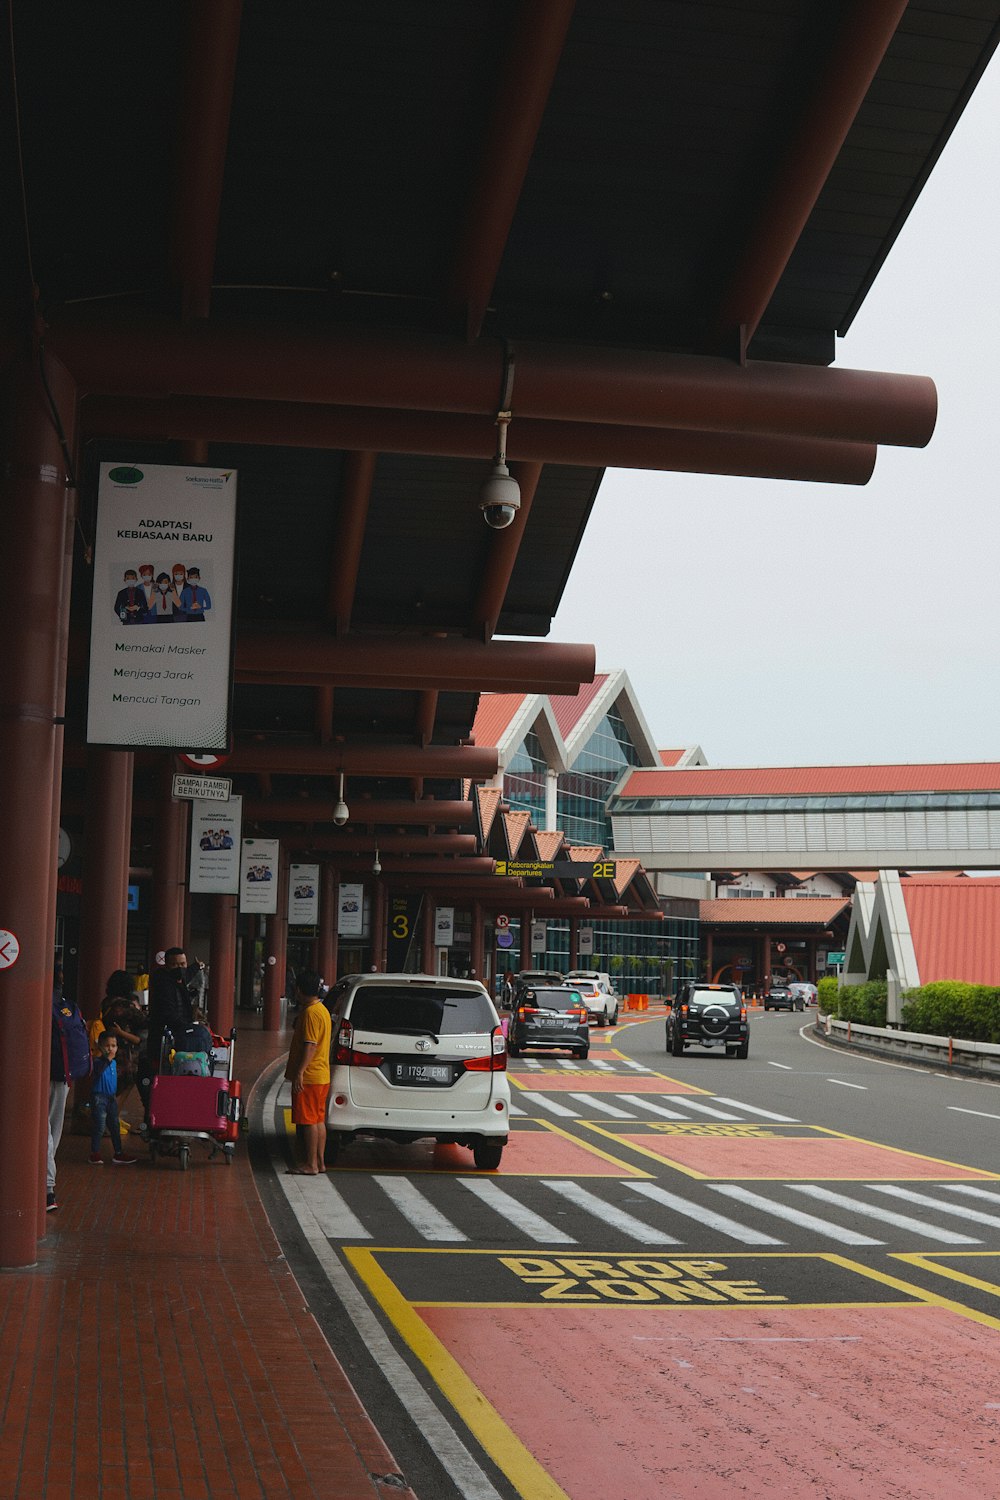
<point x="549" y="1017"/>
<point x="779" y="997"/>
<point x="708" y="1015"/>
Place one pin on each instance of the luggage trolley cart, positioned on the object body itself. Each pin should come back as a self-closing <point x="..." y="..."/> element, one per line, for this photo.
<point x="185" y="1108"/>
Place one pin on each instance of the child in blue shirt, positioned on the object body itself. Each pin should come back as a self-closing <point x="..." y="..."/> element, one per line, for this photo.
<point x="104" y="1103"/>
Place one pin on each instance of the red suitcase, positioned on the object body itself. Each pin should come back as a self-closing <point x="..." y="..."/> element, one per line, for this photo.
<point x="186" y="1103"/>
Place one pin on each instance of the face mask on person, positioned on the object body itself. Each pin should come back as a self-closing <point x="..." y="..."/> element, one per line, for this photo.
<point x="163" y="587"/>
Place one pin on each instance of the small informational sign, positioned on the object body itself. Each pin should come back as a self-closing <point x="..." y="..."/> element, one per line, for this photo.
<point x="502" y="921"/>
<point x="505" y="938"/>
<point x="539" y="931"/>
<point x="351" y="910"/>
<point x="132" y="902"/>
<point x="204" y="762"/>
<point x="9" y="949"/>
<point x="557" y="869"/>
<point x="836" y="958"/>
<point x="215" y="847"/>
<point x="403" y="914"/>
<point x="444" y="926"/>
<point x="585" y="942"/>
<point x="259" y="876"/>
<point x="303" y="895"/>
<point x="202" y="788"/>
<point x="161" y="619"/>
<point x="65" y="847"/>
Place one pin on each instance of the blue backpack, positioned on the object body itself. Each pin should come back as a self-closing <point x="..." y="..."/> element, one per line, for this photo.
<point x="70" y="1042"/>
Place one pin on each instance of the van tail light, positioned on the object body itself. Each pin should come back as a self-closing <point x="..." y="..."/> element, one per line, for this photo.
<point x="526" y="1010"/>
<point x="743" y="1012"/>
<point x="494" y="1062"/>
<point x="684" y="1010"/>
<point x="579" y="1015"/>
<point x="344" y="1050"/>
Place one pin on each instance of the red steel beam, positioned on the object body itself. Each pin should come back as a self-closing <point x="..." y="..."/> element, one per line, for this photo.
<point x="426" y="845"/>
<point x="425" y="872"/>
<point x="417" y="663"/>
<point x="865" y="30"/>
<point x="628" y="387"/>
<point x="355" y="496"/>
<point x="532" y="47"/>
<point x="426" y="714"/>
<point x="588" y="445"/>
<point x="213" y="34"/>
<point x="444" y="762"/>
<point x="400" y="814"/>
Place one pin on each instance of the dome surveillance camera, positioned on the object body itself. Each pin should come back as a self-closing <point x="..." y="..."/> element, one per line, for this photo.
<point x="376" y="867"/>
<point x="341" y="813"/>
<point x="499" y="498"/>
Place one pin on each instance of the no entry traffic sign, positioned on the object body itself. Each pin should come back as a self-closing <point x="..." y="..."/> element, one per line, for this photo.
<point x="204" y="762"/>
<point x="9" y="949"/>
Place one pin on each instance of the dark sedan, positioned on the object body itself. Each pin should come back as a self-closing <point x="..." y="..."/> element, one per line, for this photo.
<point x="779" y="997"/>
<point x="549" y="1017"/>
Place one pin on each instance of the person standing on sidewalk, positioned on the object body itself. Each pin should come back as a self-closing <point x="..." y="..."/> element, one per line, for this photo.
<point x="69" y="1062"/>
<point x="308" y="1070"/>
<point x="170" y="1009"/>
<point x="104" y="1104"/>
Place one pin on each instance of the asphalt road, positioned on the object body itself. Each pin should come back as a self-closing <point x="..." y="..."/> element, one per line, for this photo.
<point x="691" y="1276"/>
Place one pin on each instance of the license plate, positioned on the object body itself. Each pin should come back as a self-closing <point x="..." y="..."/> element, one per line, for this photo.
<point x="421" y="1073"/>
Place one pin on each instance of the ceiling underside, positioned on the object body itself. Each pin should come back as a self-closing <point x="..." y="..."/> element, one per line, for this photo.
<point x="376" y="200"/>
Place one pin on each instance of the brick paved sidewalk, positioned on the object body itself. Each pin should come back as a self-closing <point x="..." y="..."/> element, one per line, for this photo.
<point x="162" y="1350"/>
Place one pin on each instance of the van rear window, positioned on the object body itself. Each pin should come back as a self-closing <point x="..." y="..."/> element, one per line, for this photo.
<point x="438" y="1010"/>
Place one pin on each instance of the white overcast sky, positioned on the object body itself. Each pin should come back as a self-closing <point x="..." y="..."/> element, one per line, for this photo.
<point x="801" y="624"/>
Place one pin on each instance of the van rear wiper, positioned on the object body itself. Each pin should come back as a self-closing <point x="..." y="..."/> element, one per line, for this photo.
<point x="417" y="1031"/>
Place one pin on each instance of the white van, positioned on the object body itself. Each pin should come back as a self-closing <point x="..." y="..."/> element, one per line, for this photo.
<point x="416" y="1055"/>
<point x="597" y="975"/>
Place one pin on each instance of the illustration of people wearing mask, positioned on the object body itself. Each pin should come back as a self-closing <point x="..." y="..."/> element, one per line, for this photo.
<point x="149" y="591"/>
<point x="180" y="579"/>
<point x="130" y="603"/>
<point x="167" y="608"/>
<point x="194" y="599"/>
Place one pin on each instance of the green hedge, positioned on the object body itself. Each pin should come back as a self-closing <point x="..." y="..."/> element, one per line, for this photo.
<point x="828" y="995"/>
<point x="967" y="1012"/>
<point x="864" y="1003"/>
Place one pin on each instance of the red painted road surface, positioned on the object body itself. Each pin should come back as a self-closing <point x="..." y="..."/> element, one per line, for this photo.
<point x="789" y="1157"/>
<point x="599" y="1083"/>
<point x="871" y="1403"/>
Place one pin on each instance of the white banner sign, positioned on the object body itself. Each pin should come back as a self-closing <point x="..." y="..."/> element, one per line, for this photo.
<point x="202" y="788"/>
<point x="585" y="942"/>
<point x="538" y="935"/>
<point x="215" y="846"/>
<point x="351" y="907"/>
<point x="444" y="926"/>
<point x="303" y="895"/>
<point x="161" y="618"/>
<point x="259" y="876"/>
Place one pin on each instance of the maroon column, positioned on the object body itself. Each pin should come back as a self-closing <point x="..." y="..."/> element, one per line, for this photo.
<point x="276" y="953"/>
<point x="107" y="831"/>
<point x="167" y="929"/>
<point x="378" y="926"/>
<point x="527" y="917"/>
<point x="34" y="505"/>
<point x="709" y="956"/>
<point x="326" y="949"/>
<point x="574" y="943"/>
<point x="427" y="926"/>
<point x="476" y="949"/>
<point x="222" y="965"/>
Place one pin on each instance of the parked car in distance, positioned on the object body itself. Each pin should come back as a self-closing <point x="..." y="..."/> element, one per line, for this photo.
<point x="415" y="1055"/>
<point x="598" y="975"/>
<point x="549" y="1016"/>
<point x="602" y="1005"/>
<point x="779" y="997"/>
<point x="708" y="1015"/>
<point x="804" y="993"/>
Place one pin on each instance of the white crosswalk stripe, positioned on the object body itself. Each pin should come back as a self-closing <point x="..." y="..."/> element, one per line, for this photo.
<point x="703" y="1216"/>
<point x="330" y="1210"/>
<point x="792" y="1215"/>
<point x="567" y="1062"/>
<point x="629" y="1062"/>
<point x="516" y="1109"/>
<point x="532" y="1062"/>
<point x="883" y="1215"/>
<point x="751" y="1109"/>
<point x="598" y="1062"/>
<point x="970" y="1191"/>
<point x="639" y="1101"/>
<point x="924" y="1200"/>
<point x="595" y="1101"/>
<point x="706" y="1109"/>
<point x="552" y="1105"/>
<point x="626" y="1223"/>
<point x="524" y="1219"/>
<point x="421" y="1213"/>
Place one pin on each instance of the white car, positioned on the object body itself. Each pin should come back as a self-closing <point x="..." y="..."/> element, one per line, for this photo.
<point x="602" y="1004"/>
<point x="803" y="993"/>
<point x="415" y="1055"/>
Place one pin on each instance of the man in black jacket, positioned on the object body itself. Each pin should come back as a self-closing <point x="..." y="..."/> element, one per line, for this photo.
<point x="170" y="1009"/>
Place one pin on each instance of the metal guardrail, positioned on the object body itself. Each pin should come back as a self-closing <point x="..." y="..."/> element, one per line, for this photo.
<point x="913" y="1046"/>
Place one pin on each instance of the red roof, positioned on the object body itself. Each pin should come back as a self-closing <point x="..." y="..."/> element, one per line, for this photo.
<point x="781" y="911"/>
<point x="548" y="842"/>
<point x="783" y="781"/>
<point x="955" y="926"/>
<point x="493" y="717"/>
<point x="569" y="711"/>
<point x="489" y="798"/>
<point x="670" y="757"/>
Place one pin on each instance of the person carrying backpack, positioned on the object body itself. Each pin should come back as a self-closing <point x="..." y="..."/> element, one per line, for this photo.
<point x="69" y="1061"/>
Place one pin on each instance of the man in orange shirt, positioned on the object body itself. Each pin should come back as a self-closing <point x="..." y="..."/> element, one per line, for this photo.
<point x="308" y="1070"/>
